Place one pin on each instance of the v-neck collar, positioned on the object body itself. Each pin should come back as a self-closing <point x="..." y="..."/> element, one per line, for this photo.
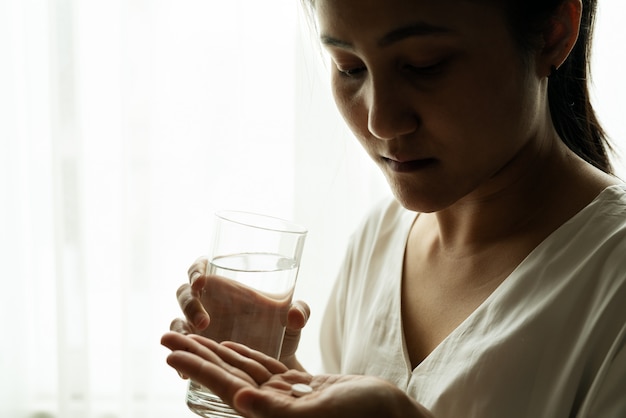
<point x="436" y="356"/>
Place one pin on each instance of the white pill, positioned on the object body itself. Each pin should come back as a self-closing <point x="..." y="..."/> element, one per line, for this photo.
<point x="300" y="389"/>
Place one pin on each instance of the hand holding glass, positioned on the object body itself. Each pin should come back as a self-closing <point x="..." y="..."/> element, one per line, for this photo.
<point x="249" y="285"/>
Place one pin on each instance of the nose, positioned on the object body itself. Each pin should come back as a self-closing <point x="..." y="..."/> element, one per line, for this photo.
<point x="390" y="113"/>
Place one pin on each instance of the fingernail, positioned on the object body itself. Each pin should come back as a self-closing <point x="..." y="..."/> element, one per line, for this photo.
<point x="200" y="321"/>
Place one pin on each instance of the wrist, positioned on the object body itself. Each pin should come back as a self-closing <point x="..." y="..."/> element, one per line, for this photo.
<point x="411" y="408"/>
<point x="403" y="406"/>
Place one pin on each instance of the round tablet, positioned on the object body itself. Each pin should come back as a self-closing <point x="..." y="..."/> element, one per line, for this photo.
<point x="300" y="389"/>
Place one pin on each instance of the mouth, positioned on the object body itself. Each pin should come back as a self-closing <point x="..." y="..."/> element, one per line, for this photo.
<point x="408" y="166"/>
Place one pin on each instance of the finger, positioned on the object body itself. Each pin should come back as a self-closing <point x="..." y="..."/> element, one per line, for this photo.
<point x="197" y="269"/>
<point x="298" y="315"/>
<point x="271" y="364"/>
<point x="206" y="351"/>
<point x="218" y="380"/>
<point x="191" y="305"/>
<point x="295" y="376"/>
<point x="175" y="341"/>
<point x="181" y="326"/>
<point x="253" y="368"/>
<point x="284" y="382"/>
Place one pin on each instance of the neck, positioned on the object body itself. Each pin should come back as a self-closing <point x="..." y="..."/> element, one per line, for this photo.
<point x="528" y="196"/>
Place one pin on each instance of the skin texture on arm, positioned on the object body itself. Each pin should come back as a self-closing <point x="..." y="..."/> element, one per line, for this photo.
<point x="258" y="386"/>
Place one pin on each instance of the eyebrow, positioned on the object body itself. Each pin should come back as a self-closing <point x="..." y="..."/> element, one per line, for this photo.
<point x="401" y="33"/>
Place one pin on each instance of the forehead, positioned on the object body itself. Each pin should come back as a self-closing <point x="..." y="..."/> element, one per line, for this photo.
<point x="363" y="18"/>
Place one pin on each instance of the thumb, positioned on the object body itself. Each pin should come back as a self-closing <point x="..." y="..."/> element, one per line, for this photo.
<point x="298" y="315"/>
<point x="297" y="318"/>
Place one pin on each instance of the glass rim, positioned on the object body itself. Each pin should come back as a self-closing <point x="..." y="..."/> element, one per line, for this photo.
<point x="261" y="221"/>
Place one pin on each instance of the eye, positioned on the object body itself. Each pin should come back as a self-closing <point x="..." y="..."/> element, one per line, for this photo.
<point x="429" y="69"/>
<point x="351" y="72"/>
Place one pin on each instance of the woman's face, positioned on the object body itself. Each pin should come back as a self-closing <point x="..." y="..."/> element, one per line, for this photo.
<point x="437" y="93"/>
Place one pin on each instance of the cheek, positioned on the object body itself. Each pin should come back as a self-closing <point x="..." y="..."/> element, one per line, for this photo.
<point x="505" y="92"/>
<point x="343" y="98"/>
<point x="351" y="107"/>
<point x="490" y="108"/>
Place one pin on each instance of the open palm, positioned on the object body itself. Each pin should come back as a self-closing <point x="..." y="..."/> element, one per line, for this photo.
<point x="259" y="386"/>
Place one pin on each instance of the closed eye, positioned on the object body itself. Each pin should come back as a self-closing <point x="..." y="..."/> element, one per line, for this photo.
<point x="351" y="72"/>
<point x="433" y="69"/>
<point x="422" y="70"/>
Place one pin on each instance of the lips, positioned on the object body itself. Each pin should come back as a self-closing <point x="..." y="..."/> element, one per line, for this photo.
<point x="408" y="166"/>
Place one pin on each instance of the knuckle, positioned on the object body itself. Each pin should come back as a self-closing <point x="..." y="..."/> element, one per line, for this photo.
<point x="182" y="290"/>
<point x="189" y="305"/>
<point x="303" y="307"/>
<point x="198" y="267"/>
<point x="178" y="325"/>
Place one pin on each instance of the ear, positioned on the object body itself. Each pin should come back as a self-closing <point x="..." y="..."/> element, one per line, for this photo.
<point x="560" y="35"/>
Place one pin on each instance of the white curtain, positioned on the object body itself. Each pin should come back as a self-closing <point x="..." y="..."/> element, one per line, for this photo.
<point x="124" y="125"/>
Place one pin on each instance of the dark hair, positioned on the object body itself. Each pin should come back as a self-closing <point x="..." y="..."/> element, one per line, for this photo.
<point x="568" y="87"/>
<point x="573" y="116"/>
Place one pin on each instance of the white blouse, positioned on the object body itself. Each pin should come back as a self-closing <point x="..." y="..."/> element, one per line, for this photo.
<point x="550" y="341"/>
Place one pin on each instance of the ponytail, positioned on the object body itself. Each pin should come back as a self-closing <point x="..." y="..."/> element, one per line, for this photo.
<point x="568" y="95"/>
<point x="568" y="87"/>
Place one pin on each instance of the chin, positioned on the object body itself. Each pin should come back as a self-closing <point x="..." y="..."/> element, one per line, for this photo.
<point x="424" y="200"/>
<point x="419" y="203"/>
<point x="420" y="193"/>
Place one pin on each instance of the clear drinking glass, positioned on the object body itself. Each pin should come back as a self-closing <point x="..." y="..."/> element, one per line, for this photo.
<point x="251" y="276"/>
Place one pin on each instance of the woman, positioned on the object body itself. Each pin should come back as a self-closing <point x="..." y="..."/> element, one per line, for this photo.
<point x="494" y="283"/>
